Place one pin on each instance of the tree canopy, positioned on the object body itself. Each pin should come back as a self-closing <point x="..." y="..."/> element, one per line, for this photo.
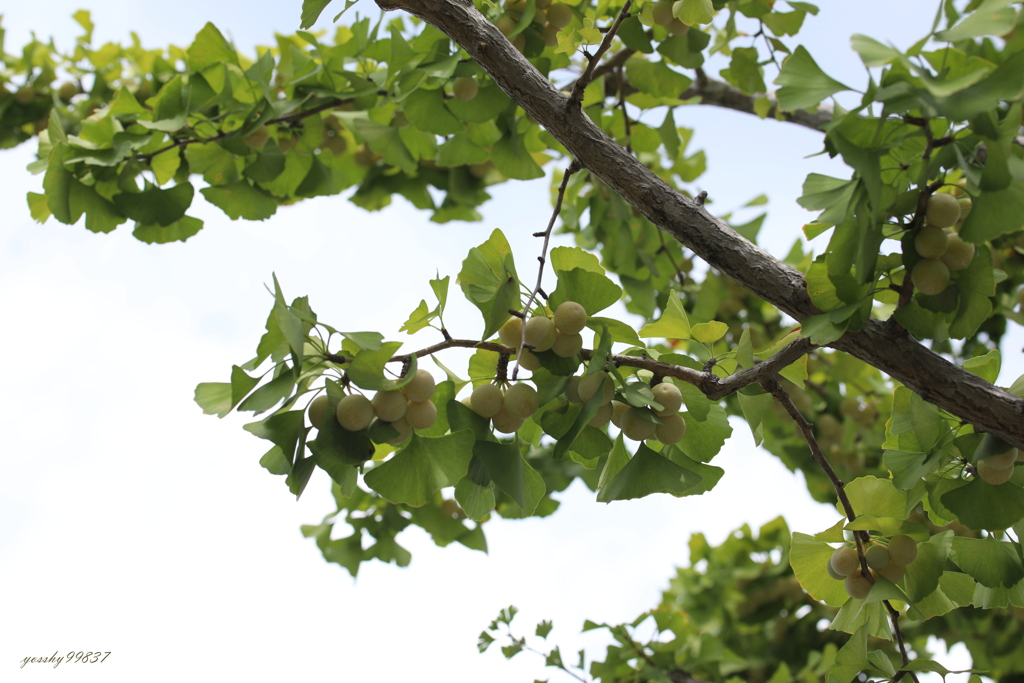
<point x="870" y="367"/>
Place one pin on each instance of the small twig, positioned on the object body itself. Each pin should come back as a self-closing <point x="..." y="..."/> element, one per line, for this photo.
<point x="625" y="118"/>
<point x="664" y="249"/>
<point x="583" y="81"/>
<point x="573" y="168"/>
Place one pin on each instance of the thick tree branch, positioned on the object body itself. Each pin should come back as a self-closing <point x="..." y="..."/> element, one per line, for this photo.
<point x="938" y="381"/>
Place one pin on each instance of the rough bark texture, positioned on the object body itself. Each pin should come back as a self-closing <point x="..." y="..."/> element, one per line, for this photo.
<point x="938" y="381"/>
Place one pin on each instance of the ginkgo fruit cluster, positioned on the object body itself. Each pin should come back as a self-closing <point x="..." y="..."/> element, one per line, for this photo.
<point x="548" y="18"/>
<point x="941" y="249"/>
<point x="405" y="409"/>
<point x="559" y="334"/>
<point x="997" y="469"/>
<point x="888" y="561"/>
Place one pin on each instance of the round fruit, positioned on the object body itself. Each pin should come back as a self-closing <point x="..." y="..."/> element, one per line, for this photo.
<point x="994" y="476"/>
<point x="389" y="405"/>
<point x="635" y="426"/>
<point x="542" y="4"/>
<point x="893" y="572"/>
<point x="930" y="276"/>
<point x="844" y="561"/>
<point x="465" y="88"/>
<point x="257" y="138"/>
<point x="521" y="401"/>
<point x="355" y="412"/>
<point x="318" y="409"/>
<point x="661" y="12"/>
<point x="570" y="317"/>
<point x="528" y="360"/>
<point x="25" y="94"/>
<point x="943" y="210"/>
<point x="559" y="15"/>
<point x="420" y="388"/>
<point x="857" y="586"/>
<point x="572" y="390"/>
<point x="618" y="408"/>
<point x="902" y="550"/>
<point x="931" y="242"/>
<point x="877" y="557"/>
<point x="958" y="254"/>
<point x="966" y="204"/>
<point x="1001" y="461"/>
<point x="672" y="431"/>
<point x="334" y="141"/>
<point x="541" y="333"/>
<point x="677" y="28"/>
<point x="511" y="333"/>
<point x="670" y="398"/>
<point x="505" y="423"/>
<point x="505" y="24"/>
<point x="833" y="573"/>
<point x="959" y="188"/>
<point x="404" y="430"/>
<point x="590" y="384"/>
<point x="567" y="345"/>
<point x="550" y="35"/>
<point x="487" y="400"/>
<point x="603" y="417"/>
<point x="364" y="156"/>
<point x="421" y="414"/>
<point x="67" y="91"/>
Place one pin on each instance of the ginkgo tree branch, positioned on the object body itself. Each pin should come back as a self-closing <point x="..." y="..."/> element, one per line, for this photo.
<point x="934" y="378"/>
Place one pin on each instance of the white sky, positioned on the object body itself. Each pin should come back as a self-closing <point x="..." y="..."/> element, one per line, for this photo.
<point x="134" y="524"/>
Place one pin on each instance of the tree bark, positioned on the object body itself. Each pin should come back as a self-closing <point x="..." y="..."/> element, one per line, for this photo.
<point x="987" y="407"/>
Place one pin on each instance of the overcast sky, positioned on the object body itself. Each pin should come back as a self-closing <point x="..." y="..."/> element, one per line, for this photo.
<point x="134" y="524"/>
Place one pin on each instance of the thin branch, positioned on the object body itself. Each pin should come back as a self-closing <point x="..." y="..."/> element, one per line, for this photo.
<point x="625" y="121"/>
<point x="573" y="167"/>
<point x="583" y="81"/>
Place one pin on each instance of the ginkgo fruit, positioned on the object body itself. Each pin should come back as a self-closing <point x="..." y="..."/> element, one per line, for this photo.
<point x="355" y="412"/>
<point x="1001" y="461"/>
<point x="67" y="91"/>
<point x="930" y="276"/>
<point x="943" y="210"/>
<point x="511" y="333"/>
<point x="931" y="242"/>
<point x="591" y="384"/>
<point x="994" y="476"/>
<point x="318" y="408"/>
<point x="559" y="15"/>
<point x="421" y="414"/>
<point x="844" y="560"/>
<point x="521" y="401"/>
<point x="661" y="12"/>
<point x="618" y="408"/>
<point x="958" y="254"/>
<point x="572" y="390"/>
<point x="258" y="138"/>
<point x="505" y="423"/>
<point x="487" y="400"/>
<point x="902" y="550"/>
<point x="603" y="416"/>
<point x="877" y="557"/>
<point x="25" y="94"/>
<point x="505" y="24"/>
<point x="465" y="88"/>
<point x="550" y="35"/>
<point x="636" y="426"/>
<point x="670" y="398"/>
<point x="390" y="405"/>
<point x="672" y="431"/>
<point x="567" y="345"/>
<point x="541" y="333"/>
<point x="570" y="317"/>
<point x="857" y="586"/>
<point x="528" y="360"/>
<point x="420" y="387"/>
<point x="404" y="430"/>
<point x="893" y="572"/>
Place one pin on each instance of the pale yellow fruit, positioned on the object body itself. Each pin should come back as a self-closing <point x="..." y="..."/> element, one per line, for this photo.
<point x="421" y="414"/>
<point x="893" y="572"/>
<point x="559" y="15"/>
<point x="591" y="384"/>
<point x="550" y="35"/>
<point x="670" y="398"/>
<point x="959" y="188"/>
<point x="672" y="431"/>
<point x="333" y="141"/>
<point x="505" y="423"/>
<point x="68" y="90"/>
<point x="572" y="390"/>
<point x="618" y="408"/>
<point x="844" y="561"/>
<point x="930" y="276"/>
<point x="505" y="24"/>
<point x="567" y="345"/>
<point x="603" y="416"/>
<point x="404" y="430"/>
<point x="528" y="360"/>
<point x="677" y="28"/>
<point x="833" y="573"/>
<point x="943" y="210"/>
<point x="521" y="401"/>
<point x="542" y="4"/>
<point x="25" y="94"/>
<point x="258" y="138"/>
<point x="420" y="388"/>
<point x="541" y="333"/>
<point x="570" y="317"/>
<point x="857" y="586"/>
<point x="487" y="400"/>
<point x="318" y="408"/>
<point x="511" y="333"/>
<point x="635" y="426"/>
<point x="958" y="254"/>
<point x="931" y="242"/>
<point x="355" y="412"/>
<point x="994" y="476"/>
<point x="465" y="88"/>
<point x="661" y="12"/>
<point x="1001" y="461"/>
<point x="389" y="405"/>
<point x="902" y="550"/>
<point x="877" y="557"/>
